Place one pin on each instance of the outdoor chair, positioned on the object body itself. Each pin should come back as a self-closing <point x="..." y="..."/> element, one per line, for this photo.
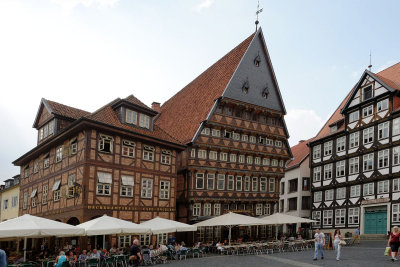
<point x="109" y="262"/>
<point x="183" y="253"/>
<point x="120" y="261"/>
<point x="146" y="257"/>
<point x="93" y="262"/>
<point x="196" y="252"/>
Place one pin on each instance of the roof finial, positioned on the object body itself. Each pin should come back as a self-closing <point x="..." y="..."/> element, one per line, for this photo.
<point x="370" y="61"/>
<point x="258" y="12"/>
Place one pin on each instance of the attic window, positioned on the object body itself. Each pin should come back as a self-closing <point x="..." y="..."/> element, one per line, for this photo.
<point x="367" y="92"/>
<point x="265" y="92"/>
<point x="257" y="61"/>
<point x="245" y="87"/>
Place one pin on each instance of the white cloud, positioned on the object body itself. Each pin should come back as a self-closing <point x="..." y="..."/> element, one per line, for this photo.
<point x="203" y="5"/>
<point x="71" y="4"/>
<point x="302" y="124"/>
<point x="386" y="65"/>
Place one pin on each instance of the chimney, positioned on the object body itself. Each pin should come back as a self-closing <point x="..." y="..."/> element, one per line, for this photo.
<point x="156" y="106"/>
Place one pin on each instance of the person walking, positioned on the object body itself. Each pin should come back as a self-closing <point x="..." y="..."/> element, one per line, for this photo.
<point x="135" y="256"/>
<point x="319" y="240"/>
<point x="394" y="242"/>
<point x="357" y="235"/>
<point x="336" y="243"/>
<point x="3" y="258"/>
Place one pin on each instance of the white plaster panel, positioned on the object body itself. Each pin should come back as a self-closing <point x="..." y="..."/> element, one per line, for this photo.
<point x="341" y="179"/>
<point x="369" y="197"/>
<point x="380" y="91"/>
<point x="340" y="201"/>
<point x="316" y="184"/>
<point x="395" y="138"/>
<point x="327" y="157"/>
<point x="352" y="125"/>
<point x="352" y="177"/>
<point x="328" y="203"/>
<point x="368" y="145"/>
<point x="382" y="113"/>
<point x="384" y="141"/>
<point x="341" y="153"/>
<point x="384" y="171"/>
<point x="353" y="150"/>
<point x="317" y="160"/>
<point x="354" y="102"/>
<point x="316" y="204"/>
<point x="395" y="169"/>
<point x="367" y="119"/>
<point x="358" y="91"/>
<point x="327" y="182"/>
<point x="368" y="174"/>
<point x="354" y="200"/>
<point x="383" y="196"/>
<point x="395" y="196"/>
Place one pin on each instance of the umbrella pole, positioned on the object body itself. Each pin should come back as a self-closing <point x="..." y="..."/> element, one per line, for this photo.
<point x="276" y="231"/>
<point x="17" y="246"/>
<point x="104" y="241"/>
<point x="25" y="241"/>
<point x="229" y="236"/>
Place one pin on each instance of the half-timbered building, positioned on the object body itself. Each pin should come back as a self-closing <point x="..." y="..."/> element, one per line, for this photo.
<point x="231" y="118"/>
<point x="355" y="158"/>
<point x="113" y="161"/>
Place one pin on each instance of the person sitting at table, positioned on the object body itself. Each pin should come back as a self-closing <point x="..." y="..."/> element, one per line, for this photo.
<point x="226" y="242"/>
<point x="61" y="259"/>
<point x="219" y="247"/>
<point x="95" y="254"/>
<point x="104" y="254"/>
<point x="72" y="257"/>
<point x="83" y="256"/>
<point x="113" y="250"/>
<point x="299" y="237"/>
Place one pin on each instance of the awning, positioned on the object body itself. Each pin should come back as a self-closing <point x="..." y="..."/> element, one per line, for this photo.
<point x="56" y="185"/>
<point x="34" y="191"/>
<point x="127" y="180"/>
<point x="104" y="178"/>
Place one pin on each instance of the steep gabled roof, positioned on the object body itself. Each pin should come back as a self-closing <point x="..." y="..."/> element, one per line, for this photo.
<point x="300" y="153"/>
<point x="182" y="114"/>
<point x="132" y="99"/>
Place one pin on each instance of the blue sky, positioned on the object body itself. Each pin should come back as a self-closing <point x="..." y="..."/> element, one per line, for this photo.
<point x="84" y="53"/>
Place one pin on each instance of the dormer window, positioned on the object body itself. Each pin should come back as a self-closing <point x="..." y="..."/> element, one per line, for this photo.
<point x="46" y="130"/>
<point x="130" y="116"/>
<point x="367" y="93"/>
<point x="106" y="143"/>
<point x="333" y="128"/>
<point x="144" y="121"/>
<point x="245" y="87"/>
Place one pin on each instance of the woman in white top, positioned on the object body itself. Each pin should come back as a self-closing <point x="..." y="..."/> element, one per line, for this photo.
<point x="336" y="243"/>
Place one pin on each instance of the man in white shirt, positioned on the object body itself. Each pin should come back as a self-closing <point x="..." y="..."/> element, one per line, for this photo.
<point x="319" y="239"/>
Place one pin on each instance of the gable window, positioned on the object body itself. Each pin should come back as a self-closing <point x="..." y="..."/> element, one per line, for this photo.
<point x="368" y="189"/>
<point x="45" y="192"/>
<point x="317" y="152"/>
<point x="341" y="193"/>
<point x="340" y="216"/>
<point x="328" y="214"/>
<point x="73" y="144"/>
<point x="354" y="116"/>
<point x="328" y="171"/>
<point x="105" y="143"/>
<point x="148" y="153"/>
<point x="199" y="180"/>
<point x="382" y="105"/>
<point x="368" y="162"/>
<point x="318" y="196"/>
<point x="147" y="188"/>
<point x="59" y="154"/>
<point x="210" y="181"/>
<point x="396" y="126"/>
<point x="193" y="153"/>
<point x="196" y="209"/>
<point x="383" y="130"/>
<point x="205" y="131"/>
<point x="354" y="165"/>
<point x="46" y="161"/>
<point x="202" y="154"/>
<point x="269" y="142"/>
<point x="341" y="144"/>
<point x="46" y="130"/>
<point x="271" y="184"/>
<point x="130" y="116"/>
<point x="354" y="139"/>
<point x="328" y="148"/>
<point x="317" y="174"/>
<point x="232" y="157"/>
<point x="355" y="190"/>
<point x="36" y="166"/>
<point x="213" y="155"/>
<point x="239" y="183"/>
<point x="216" y="133"/>
<point x="144" y="121"/>
<point x="56" y="190"/>
<point x="367" y="92"/>
<point x="383" y="187"/>
<point x="166" y="156"/>
<point x="368" y="135"/>
<point x="128" y="148"/>
<point x="329" y="194"/>
<point x="254" y="184"/>
<point x="127" y="183"/>
<point x="164" y="189"/>
<point x="220" y="182"/>
<point x="396" y="155"/>
<point x="231" y="182"/>
<point x="340" y="167"/>
<point x="104" y="181"/>
<point x="383" y="158"/>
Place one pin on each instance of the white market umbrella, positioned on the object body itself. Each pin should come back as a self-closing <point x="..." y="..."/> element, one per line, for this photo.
<point x="160" y="225"/>
<point x="232" y="219"/>
<point x="32" y="226"/>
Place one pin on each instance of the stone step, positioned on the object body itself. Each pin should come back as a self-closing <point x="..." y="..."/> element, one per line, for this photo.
<point x="373" y="236"/>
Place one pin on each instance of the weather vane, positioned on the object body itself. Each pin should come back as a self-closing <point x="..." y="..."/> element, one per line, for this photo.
<point x="258" y="12"/>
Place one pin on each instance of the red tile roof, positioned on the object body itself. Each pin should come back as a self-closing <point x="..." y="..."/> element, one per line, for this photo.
<point x="391" y="76"/>
<point x="300" y="152"/>
<point x="132" y="99"/>
<point x="66" y="111"/>
<point x="199" y="96"/>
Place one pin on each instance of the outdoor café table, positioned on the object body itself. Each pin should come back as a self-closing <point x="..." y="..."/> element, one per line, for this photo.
<point x="348" y="241"/>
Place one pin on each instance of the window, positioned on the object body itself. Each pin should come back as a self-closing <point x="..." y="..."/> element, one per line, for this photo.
<point x="46" y="161"/>
<point x="241" y="158"/>
<point x="292" y="203"/>
<point x="193" y="153"/>
<point x="328" y="148"/>
<point x="26" y="171"/>
<point x="144" y="121"/>
<point x="354" y="116"/>
<point x="274" y="162"/>
<point x="383" y="187"/>
<point x="271" y="184"/>
<point x="213" y="155"/>
<point x="125" y="241"/>
<point x="147" y="188"/>
<point x="252" y="139"/>
<point x="396" y="185"/>
<point x="259" y="209"/>
<point x="383" y="158"/>
<point x="128" y="148"/>
<point x="368" y="189"/>
<point x="127" y="183"/>
<point x="205" y="131"/>
<point x="383" y="130"/>
<point x="328" y="171"/>
<point x="235" y="136"/>
<point x="341" y="193"/>
<point x="396" y="126"/>
<point x="293" y="184"/>
<point x="354" y="214"/>
<point x="166" y="156"/>
<point x="354" y="139"/>
<point x="71" y="185"/>
<point x="232" y="158"/>
<point x="36" y="166"/>
<point x="317" y="174"/>
<point x="246" y="183"/>
<point x="263" y="184"/>
<point x="245" y="138"/>
<point x="25" y="203"/>
<point x="341" y="144"/>
<point x="196" y="209"/>
<point x="396" y="155"/>
<point x="305" y="203"/>
<point x="278" y="143"/>
<point x="368" y="135"/>
<point x="267" y="209"/>
<point x="367" y="92"/>
<point x="227" y="134"/>
<point x="207" y="209"/>
<point x="340" y="167"/>
<point x="239" y="183"/>
<point x="106" y="143"/>
<point x="223" y="156"/>
<point x="220" y="182"/>
<point x="59" y="154"/>
<point x="318" y="196"/>
<point x="382" y="105"/>
<point x="46" y="130"/>
<point x="56" y="190"/>
<point x="231" y="182"/>
<point x="249" y="160"/>
<point x="396" y="212"/>
<point x="316" y="215"/>
<point x="216" y="133"/>
<point x="257" y="160"/>
<point x="367" y="111"/>
<point x="145" y="240"/>
<point x="354" y="165"/>
<point x="217" y="209"/>
<point x="104" y="181"/>
<point x="355" y="190"/>
<point x="199" y="180"/>
<point x="34" y="201"/>
<point x="5" y="204"/>
<point x="148" y="153"/>
<point x="306" y="184"/>
<point x="328" y="214"/>
<point x="202" y="154"/>
<point x="340" y="216"/>
<point x="73" y="143"/>
<point x="269" y="142"/>
<point x="130" y="116"/>
<point x="368" y="162"/>
<point x="317" y="152"/>
<point x="210" y="181"/>
<point x="265" y="161"/>
<point x="14" y="201"/>
<point x="254" y="184"/>
<point x="329" y="194"/>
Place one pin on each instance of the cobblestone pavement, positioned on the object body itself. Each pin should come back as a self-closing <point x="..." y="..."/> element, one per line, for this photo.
<point x="369" y="253"/>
